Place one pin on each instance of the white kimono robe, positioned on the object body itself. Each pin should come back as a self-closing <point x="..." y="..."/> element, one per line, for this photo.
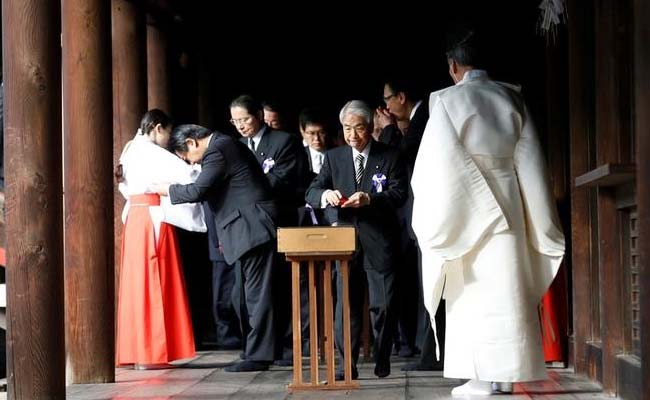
<point x="144" y="163"/>
<point x="487" y="227"/>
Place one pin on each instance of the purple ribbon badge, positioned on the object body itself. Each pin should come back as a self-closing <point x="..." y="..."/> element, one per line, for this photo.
<point x="268" y="164"/>
<point x="378" y="182"/>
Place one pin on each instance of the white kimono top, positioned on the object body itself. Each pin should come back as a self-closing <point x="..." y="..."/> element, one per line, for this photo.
<point x="487" y="227"/>
<point x="144" y="163"/>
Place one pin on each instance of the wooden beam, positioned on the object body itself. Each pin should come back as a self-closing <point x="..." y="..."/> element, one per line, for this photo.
<point x="34" y="208"/>
<point x="642" y="126"/>
<point x="129" y="90"/>
<point x="158" y="66"/>
<point x="607" y="175"/>
<point x="581" y="127"/>
<point x="88" y="181"/>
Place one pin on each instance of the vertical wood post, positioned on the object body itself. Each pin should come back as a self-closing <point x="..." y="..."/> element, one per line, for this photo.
<point x="32" y="129"/>
<point x="581" y="107"/>
<point x="642" y="127"/>
<point x="129" y="89"/>
<point x="613" y="132"/>
<point x="157" y="66"/>
<point x="88" y="181"/>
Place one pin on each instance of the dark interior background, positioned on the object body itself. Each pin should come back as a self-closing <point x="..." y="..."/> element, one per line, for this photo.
<point x="326" y="53"/>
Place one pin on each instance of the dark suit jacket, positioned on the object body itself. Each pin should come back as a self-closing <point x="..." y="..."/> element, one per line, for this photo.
<point x="238" y="194"/>
<point x="288" y="177"/>
<point x="410" y="143"/>
<point x="324" y="217"/>
<point x="408" y="146"/>
<point x="377" y="225"/>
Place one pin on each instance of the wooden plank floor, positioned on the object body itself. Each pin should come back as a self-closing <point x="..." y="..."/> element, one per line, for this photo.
<point x="204" y="378"/>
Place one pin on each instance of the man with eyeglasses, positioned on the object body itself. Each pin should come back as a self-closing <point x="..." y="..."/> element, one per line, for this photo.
<point x="284" y="163"/>
<point x="366" y="181"/>
<point x="403" y="104"/>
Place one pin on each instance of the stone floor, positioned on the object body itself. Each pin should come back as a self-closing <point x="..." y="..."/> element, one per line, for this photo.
<point x="204" y="378"/>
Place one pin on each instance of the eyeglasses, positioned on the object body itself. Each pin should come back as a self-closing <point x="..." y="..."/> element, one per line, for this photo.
<point x="315" y="133"/>
<point x="386" y="98"/>
<point x="241" y="121"/>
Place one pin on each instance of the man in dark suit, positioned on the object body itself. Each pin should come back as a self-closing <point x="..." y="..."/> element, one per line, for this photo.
<point x="402" y="104"/>
<point x="240" y="198"/>
<point x="285" y="166"/>
<point x="368" y="180"/>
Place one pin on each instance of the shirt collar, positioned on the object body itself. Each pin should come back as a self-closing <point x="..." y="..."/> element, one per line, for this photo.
<point x="365" y="152"/>
<point x="259" y="134"/>
<point x="473" y="74"/>
<point x="415" y="108"/>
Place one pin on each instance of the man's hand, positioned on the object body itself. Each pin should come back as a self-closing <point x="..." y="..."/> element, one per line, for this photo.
<point x="384" y="117"/>
<point x="359" y="199"/>
<point x="333" y="197"/>
<point x="160" y="188"/>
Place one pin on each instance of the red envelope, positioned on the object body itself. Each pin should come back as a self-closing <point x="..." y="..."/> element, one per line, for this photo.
<point x="342" y="200"/>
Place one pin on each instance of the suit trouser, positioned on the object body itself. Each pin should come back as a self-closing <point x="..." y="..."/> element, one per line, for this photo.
<point x="225" y="319"/>
<point x="252" y="297"/>
<point x="381" y="285"/>
<point x="427" y="343"/>
<point x="407" y="298"/>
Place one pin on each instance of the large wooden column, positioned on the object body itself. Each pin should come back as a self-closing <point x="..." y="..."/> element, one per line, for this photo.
<point x="32" y="129"/>
<point x="613" y="119"/>
<point x="642" y="127"/>
<point x="581" y="107"/>
<point x="157" y="66"/>
<point x="129" y="87"/>
<point x="89" y="271"/>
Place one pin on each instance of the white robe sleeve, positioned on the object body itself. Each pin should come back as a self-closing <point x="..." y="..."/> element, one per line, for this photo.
<point x="543" y="228"/>
<point x="145" y="164"/>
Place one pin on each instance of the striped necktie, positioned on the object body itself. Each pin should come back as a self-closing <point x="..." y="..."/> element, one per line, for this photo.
<point x="359" y="164"/>
<point x="251" y="144"/>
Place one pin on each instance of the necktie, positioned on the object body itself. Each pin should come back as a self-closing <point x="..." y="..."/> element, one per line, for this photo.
<point x="251" y="144"/>
<point x="359" y="161"/>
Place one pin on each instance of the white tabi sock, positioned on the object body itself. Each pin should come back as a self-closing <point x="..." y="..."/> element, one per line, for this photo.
<point x="473" y="388"/>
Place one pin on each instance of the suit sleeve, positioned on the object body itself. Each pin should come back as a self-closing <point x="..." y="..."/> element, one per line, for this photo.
<point x="391" y="135"/>
<point x="321" y="182"/>
<point x="213" y="172"/>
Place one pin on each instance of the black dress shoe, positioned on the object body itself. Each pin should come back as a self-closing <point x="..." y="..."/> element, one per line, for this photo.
<point x="421" y="367"/>
<point x="248" y="366"/>
<point x="340" y="374"/>
<point x="283" y="363"/>
<point x="382" y="370"/>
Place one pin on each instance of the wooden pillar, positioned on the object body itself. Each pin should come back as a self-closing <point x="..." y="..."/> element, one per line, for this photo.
<point x="32" y="128"/>
<point x="157" y="66"/>
<point x="581" y="128"/>
<point x="88" y="181"/>
<point x="642" y="127"/>
<point x="129" y="88"/>
<point x="613" y="76"/>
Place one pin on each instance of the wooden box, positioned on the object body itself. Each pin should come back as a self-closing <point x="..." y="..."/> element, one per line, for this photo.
<point x="317" y="240"/>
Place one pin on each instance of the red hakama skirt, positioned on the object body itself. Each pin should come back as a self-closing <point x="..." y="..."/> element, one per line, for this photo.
<point x="153" y="317"/>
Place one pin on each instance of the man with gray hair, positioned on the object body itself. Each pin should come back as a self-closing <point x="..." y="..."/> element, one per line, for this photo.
<point x="366" y="181"/>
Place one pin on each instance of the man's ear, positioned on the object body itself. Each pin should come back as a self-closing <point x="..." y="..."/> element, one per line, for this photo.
<point x="190" y="141"/>
<point x="401" y="97"/>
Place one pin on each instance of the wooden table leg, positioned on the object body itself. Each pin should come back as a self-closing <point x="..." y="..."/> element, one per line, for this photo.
<point x="347" y="342"/>
<point x="313" y="325"/>
<point x="329" y="323"/>
<point x="297" y="340"/>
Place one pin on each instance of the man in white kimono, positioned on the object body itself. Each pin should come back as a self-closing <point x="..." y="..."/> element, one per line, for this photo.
<point x="487" y="226"/>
